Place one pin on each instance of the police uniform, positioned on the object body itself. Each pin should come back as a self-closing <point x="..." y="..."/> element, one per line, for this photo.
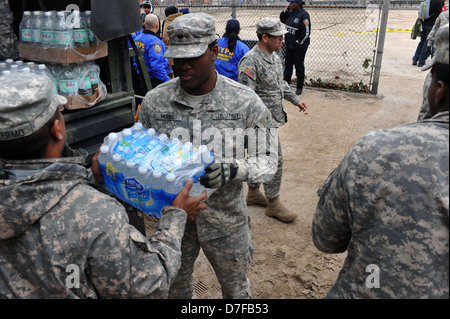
<point x="61" y="238"/>
<point x="387" y="205"/>
<point x="153" y="50"/>
<point x="222" y="230"/>
<point x="263" y="73"/>
<point x="298" y="25"/>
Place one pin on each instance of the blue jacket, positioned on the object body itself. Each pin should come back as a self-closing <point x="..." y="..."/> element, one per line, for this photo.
<point x="227" y="62"/>
<point x="153" y="50"/>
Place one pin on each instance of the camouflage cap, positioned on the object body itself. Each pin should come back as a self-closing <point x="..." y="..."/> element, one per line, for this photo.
<point x="441" y="44"/>
<point x="190" y="35"/>
<point x="270" y="26"/>
<point x="27" y="102"/>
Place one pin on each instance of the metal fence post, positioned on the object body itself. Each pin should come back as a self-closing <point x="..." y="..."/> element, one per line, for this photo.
<point x="380" y="46"/>
<point x="233" y="9"/>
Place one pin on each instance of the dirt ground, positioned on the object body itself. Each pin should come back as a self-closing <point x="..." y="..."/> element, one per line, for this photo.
<point x="286" y="264"/>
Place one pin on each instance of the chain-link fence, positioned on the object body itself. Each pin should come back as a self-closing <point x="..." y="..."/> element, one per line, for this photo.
<point x="343" y="34"/>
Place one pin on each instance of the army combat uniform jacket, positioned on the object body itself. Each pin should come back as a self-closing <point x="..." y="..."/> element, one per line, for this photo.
<point x="61" y="238"/>
<point x="230" y="108"/>
<point x="263" y="73"/>
<point x="387" y="204"/>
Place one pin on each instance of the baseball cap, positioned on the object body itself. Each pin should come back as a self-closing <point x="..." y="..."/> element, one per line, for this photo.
<point x="299" y="1"/>
<point x="441" y="44"/>
<point x="190" y="35"/>
<point x="27" y="102"/>
<point x="146" y="3"/>
<point x="270" y="26"/>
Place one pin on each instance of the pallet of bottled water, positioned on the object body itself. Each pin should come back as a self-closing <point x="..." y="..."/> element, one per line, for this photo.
<point x="148" y="170"/>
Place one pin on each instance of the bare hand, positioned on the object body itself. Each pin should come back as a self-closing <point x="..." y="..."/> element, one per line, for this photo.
<point x="302" y="106"/>
<point x="190" y="204"/>
<point x="288" y="7"/>
<point x="95" y="168"/>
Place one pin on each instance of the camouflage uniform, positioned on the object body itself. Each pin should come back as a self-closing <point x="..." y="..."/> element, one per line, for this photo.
<point x="8" y="39"/>
<point x="55" y="228"/>
<point x="387" y="204"/>
<point x="222" y="230"/>
<point x="263" y="73"/>
<point x="424" y="112"/>
<point x="166" y="110"/>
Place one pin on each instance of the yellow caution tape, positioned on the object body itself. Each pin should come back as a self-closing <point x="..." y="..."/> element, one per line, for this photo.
<point x="389" y="30"/>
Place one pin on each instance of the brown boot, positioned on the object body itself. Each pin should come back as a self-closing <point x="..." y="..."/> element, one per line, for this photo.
<point x="254" y="197"/>
<point x="277" y="210"/>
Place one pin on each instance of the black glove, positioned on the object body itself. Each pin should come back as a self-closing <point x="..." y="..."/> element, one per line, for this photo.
<point x="218" y="174"/>
<point x="428" y="51"/>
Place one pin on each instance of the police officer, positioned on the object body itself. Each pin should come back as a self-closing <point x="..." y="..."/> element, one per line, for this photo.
<point x="262" y="70"/>
<point x="386" y="204"/>
<point x="298" y="25"/>
<point x="59" y="237"/>
<point x="205" y="107"/>
<point x="153" y="50"/>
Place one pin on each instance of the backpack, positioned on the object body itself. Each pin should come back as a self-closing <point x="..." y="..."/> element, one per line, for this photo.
<point x="424" y="10"/>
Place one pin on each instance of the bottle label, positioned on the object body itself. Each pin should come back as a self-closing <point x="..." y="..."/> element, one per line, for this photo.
<point x="68" y="87"/>
<point x="26" y="35"/>
<point x="81" y="35"/>
<point x="64" y="38"/>
<point x="47" y="37"/>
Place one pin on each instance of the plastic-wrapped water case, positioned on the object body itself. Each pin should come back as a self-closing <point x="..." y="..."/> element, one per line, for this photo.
<point x="148" y="170"/>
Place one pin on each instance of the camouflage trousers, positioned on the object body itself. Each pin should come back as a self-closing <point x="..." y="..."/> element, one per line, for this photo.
<point x="272" y="187"/>
<point x="230" y="256"/>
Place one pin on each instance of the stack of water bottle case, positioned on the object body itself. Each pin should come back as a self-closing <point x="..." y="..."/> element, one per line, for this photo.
<point x="64" y="42"/>
<point x="148" y="170"/>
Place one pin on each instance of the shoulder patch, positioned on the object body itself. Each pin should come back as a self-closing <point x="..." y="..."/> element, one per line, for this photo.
<point x="250" y="73"/>
<point x="306" y="22"/>
<point x="157" y="48"/>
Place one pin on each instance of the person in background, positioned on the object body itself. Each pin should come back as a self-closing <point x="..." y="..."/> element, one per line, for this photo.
<point x="198" y="103"/>
<point x="171" y="12"/>
<point x="184" y="10"/>
<point x="231" y="50"/>
<point x="153" y="50"/>
<point x="59" y="236"/>
<point x="420" y="55"/>
<point x="8" y="39"/>
<point x="387" y="204"/>
<point x="147" y="8"/>
<point x="298" y="25"/>
<point x="261" y="69"/>
<point x="424" y="112"/>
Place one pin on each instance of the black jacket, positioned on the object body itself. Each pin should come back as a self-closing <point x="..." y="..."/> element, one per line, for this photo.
<point x="298" y="24"/>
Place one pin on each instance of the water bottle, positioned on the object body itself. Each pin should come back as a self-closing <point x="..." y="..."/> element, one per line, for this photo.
<point x="9" y="62"/>
<point x="170" y="189"/>
<point x="63" y="34"/>
<point x="115" y="170"/>
<point x="91" y="36"/>
<point x="130" y="181"/>
<point x="148" y="143"/>
<point x="84" y="82"/>
<point x="31" y="66"/>
<point x="19" y="64"/>
<point x="2" y="66"/>
<point x="80" y="32"/>
<point x="47" y="34"/>
<point x="111" y="140"/>
<point x="67" y="80"/>
<point x="26" y="35"/>
<point x="14" y="68"/>
<point x="156" y="192"/>
<point x="94" y="73"/>
<point x="36" y="24"/>
<point x="144" y="202"/>
<point x="103" y="159"/>
<point x="42" y="70"/>
<point x="25" y="70"/>
<point x="164" y="159"/>
<point x="6" y="72"/>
